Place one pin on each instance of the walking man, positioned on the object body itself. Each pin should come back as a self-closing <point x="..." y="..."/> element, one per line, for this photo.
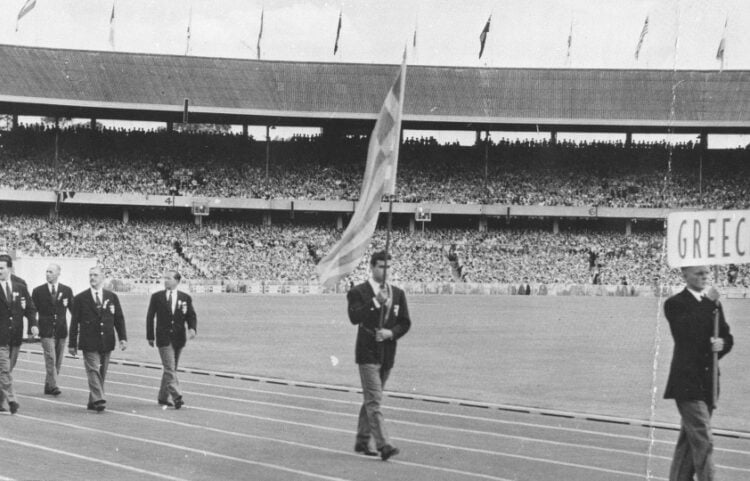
<point x="96" y="317"/>
<point x="53" y="301"/>
<point x="691" y="317"/>
<point x="15" y="303"/>
<point x="376" y="350"/>
<point x="175" y="317"/>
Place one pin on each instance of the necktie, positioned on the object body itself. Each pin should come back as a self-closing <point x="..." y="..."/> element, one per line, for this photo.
<point x="98" y="301"/>
<point x="8" y="292"/>
<point x="54" y="293"/>
<point x="169" y="300"/>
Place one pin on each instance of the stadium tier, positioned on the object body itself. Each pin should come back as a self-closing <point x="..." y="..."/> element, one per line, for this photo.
<point x="600" y="174"/>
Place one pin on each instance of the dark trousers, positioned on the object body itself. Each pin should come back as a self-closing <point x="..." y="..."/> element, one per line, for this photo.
<point x="693" y="453"/>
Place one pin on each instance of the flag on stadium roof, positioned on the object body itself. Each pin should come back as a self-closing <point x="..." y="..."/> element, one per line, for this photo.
<point x="190" y="22"/>
<point x="112" y="27"/>
<point x="483" y="36"/>
<point x="260" y="32"/>
<point x="644" y="31"/>
<point x="379" y="180"/>
<point x="338" y="35"/>
<point x="722" y="46"/>
<point x="570" y="42"/>
<point x="27" y="7"/>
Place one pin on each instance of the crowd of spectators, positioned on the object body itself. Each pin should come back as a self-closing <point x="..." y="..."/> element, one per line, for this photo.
<point x="326" y="168"/>
<point x="237" y="250"/>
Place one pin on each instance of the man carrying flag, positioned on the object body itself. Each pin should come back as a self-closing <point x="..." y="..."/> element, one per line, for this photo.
<point x="378" y="309"/>
<point x="27" y="7"/>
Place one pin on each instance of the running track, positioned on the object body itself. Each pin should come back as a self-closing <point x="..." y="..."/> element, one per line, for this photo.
<point x="234" y="428"/>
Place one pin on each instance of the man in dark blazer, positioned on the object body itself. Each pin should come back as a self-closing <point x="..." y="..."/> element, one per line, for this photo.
<point x="376" y="350"/>
<point x="53" y="301"/>
<point x="175" y="317"/>
<point x="96" y="317"/>
<point x="691" y="318"/>
<point x="15" y="303"/>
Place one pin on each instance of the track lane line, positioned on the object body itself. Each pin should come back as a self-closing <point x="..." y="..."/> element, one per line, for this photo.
<point x="87" y="458"/>
<point x="269" y="439"/>
<point x="427" y="412"/>
<point x="413" y="441"/>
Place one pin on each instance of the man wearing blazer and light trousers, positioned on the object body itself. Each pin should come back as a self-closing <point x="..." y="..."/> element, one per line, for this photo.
<point x="174" y="312"/>
<point x="96" y="317"/>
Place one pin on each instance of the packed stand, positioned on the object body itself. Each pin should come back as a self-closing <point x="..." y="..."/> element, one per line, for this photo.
<point x="321" y="168"/>
<point x="234" y="250"/>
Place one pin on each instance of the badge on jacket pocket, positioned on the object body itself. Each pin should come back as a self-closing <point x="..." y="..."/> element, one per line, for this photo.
<point x="395" y="310"/>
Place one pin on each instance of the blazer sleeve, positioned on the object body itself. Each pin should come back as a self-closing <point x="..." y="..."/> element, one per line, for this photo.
<point x="36" y="297"/>
<point x="403" y="321"/>
<point x="30" y="311"/>
<point x="69" y="294"/>
<point x="150" y="318"/>
<point x="75" y="316"/>
<point x="119" y="319"/>
<point x="724" y="333"/>
<point x="191" y="317"/>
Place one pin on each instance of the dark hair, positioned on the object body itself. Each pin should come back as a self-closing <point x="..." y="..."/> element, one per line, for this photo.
<point x="176" y="275"/>
<point x="378" y="256"/>
<point x="7" y="259"/>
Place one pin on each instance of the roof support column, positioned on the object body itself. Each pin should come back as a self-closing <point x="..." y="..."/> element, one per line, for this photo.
<point x="628" y="139"/>
<point x="92" y="124"/>
<point x="170" y="127"/>
<point x="553" y="137"/>
<point x="15" y="121"/>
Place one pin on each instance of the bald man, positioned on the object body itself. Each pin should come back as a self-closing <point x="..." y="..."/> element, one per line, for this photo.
<point x="691" y="318"/>
<point x="53" y="302"/>
<point x="96" y="317"/>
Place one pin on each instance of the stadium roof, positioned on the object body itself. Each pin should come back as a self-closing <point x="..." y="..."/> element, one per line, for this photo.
<point x="93" y="84"/>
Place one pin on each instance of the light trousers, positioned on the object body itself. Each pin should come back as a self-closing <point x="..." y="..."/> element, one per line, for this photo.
<point x="371" y="421"/>
<point x="693" y="453"/>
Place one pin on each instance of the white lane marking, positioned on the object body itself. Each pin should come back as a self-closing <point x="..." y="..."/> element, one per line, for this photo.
<point x="410" y="423"/>
<point x="414" y="441"/>
<point x="266" y="438"/>
<point x="427" y="412"/>
<point x="87" y="458"/>
<point x="202" y="452"/>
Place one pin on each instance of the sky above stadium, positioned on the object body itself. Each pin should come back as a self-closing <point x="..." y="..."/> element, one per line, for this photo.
<point x="524" y="33"/>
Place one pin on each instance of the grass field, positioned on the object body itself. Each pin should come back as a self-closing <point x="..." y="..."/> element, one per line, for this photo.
<point x="582" y="354"/>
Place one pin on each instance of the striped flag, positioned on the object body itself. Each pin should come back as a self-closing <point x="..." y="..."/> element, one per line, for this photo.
<point x="570" y="41"/>
<point x="338" y="35"/>
<point x="260" y="32"/>
<point x="642" y="37"/>
<point x="483" y="36"/>
<point x="722" y="46"/>
<point x="112" y="27"/>
<point x="379" y="180"/>
<point x="27" y="7"/>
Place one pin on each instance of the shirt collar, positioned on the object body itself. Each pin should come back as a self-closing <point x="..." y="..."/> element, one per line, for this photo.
<point x="375" y="286"/>
<point x="697" y="294"/>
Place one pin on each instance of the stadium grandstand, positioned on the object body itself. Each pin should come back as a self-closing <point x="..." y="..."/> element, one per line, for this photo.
<point x="555" y="212"/>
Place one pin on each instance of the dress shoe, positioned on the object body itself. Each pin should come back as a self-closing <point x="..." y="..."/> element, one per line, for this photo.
<point x="178" y="403"/>
<point x="364" y="449"/>
<point x="387" y="451"/>
<point x="91" y="407"/>
<point x="99" y="407"/>
<point x="53" y="392"/>
<point x="165" y="403"/>
<point x="13" y="407"/>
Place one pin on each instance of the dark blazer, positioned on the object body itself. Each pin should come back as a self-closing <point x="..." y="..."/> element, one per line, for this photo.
<point x="691" y="323"/>
<point x="93" y="328"/>
<point x="12" y="314"/>
<point x="52" y="318"/>
<point x="170" y="327"/>
<point x="364" y="313"/>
